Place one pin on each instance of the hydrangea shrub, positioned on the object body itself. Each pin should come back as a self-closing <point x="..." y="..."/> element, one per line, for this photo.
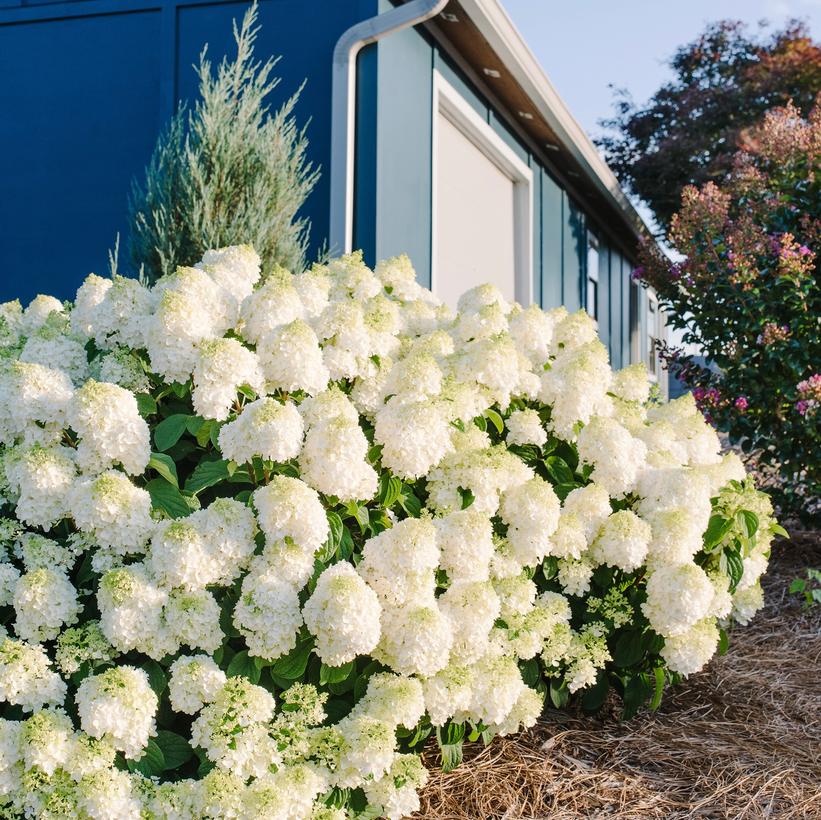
<point x="748" y="295"/>
<point x="263" y="537"/>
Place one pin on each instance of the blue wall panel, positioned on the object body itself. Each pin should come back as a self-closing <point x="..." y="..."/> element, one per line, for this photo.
<point x="627" y="315"/>
<point x="574" y="254"/>
<point x="604" y="295"/>
<point x="615" y="296"/>
<point x="81" y="109"/>
<point x="551" y="230"/>
<point x="85" y="88"/>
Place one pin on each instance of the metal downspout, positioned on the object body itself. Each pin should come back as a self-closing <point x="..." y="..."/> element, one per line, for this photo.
<point x="343" y="107"/>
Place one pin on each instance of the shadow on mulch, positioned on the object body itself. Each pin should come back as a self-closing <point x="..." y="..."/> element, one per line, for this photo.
<point x="742" y="739"/>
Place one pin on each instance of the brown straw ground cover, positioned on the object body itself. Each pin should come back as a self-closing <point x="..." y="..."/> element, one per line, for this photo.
<point x="742" y="739"/>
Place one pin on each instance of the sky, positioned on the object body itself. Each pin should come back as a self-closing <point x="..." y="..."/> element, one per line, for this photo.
<point x="587" y="45"/>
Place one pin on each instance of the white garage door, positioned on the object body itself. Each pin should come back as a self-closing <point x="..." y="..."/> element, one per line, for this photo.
<point x="481" y="213"/>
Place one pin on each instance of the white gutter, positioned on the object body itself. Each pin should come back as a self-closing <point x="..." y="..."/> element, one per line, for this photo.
<point x="343" y="108"/>
<point x="519" y="61"/>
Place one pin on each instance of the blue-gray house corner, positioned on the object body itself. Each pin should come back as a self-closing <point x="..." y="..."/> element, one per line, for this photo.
<point x="459" y="151"/>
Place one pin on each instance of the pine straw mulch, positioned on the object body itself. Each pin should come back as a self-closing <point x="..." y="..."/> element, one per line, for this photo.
<point x="742" y="739"/>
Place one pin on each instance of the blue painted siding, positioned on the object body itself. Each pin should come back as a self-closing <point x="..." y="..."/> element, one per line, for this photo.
<point x="87" y="86"/>
<point x="574" y="254"/>
<point x="81" y="113"/>
<point x="552" y="215"/>
<point x="604" y="296"/>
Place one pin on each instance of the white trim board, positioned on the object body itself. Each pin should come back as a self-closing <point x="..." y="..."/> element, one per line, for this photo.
<point x="453" y="106"/>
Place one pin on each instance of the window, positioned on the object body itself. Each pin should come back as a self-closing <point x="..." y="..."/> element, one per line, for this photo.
<point x="482" y="204"/>
<point x="592" y="294"/>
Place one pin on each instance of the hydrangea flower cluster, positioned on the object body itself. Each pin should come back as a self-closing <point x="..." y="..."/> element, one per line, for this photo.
<point x="261" y="536"/>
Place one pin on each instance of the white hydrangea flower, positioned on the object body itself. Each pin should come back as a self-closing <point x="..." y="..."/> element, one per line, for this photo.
<point x="689" y="652"/>
<point x="274" y="304"/>
<point x="9" y="576"/>
<point x="531" y="511"/>
<point x="51" y="344"/>
<point x="532" y="331"/>
<point x="111" y="430"/>
<point x="131" y="606"/>
<point x="42" y="479"/>
<point x="113" y="511"/>
<point x="678" y="597"/>
<point x="465" y="540"/>
<point x="525" y="427"/>
<point x="33" y="403"/>
<point x="472" y="608"/>
<point x="333" y="460"/>
<point x="291" y="359"/>
<point x="119" y="705"/>
<point x="109" y="793"/>
<point x="221" y="368"/>
<point x="38" y="311"/>
<point x="313" y="287"/>
<point x="622" y="541"/>
<point x="191" y="307"/>
<point x="26" y="676"/>
<point x="415" y="435"/>
<point x="232" y="729"/>
<point x="631" y="383"/>
<point x="236" y="269"/>
<point x="746" y="603"/>
<point x="367" y="752"/>
<point x="575" y="575"/>
<point x="343" y="612"/>
<point x="676" y="535"/>
<point x="486" y="471"/>
<point x="180" y="554"/>
<point x="44" y="601"/>
<point x="399" y="278"/>
<point x="525" y="713"/>
<point x="416" y="640"/>
<point x="290" y="791"/>
<point x="90" y="296"/>
<point x="399" y="563"/>
<point x="122" y="316"/>
<point x="81" y="644"/>
<point x="448" y="693"/>
<point x="289" y="508"/>
<point x="576" y="386"/>
<point x="193" y="619"/>
<point x="497" y="686"/>
<point x="194" y="681"/>
<point x="591" y="506"/>
<point x="395" y="794"/>
<point x="268" y="615"/>
<point x="46" y="741"/>
<point x="120" y="367"/>
<point x="265" y="428"/>
<point x="393" y="699"/>
<point x="617" y="458"/>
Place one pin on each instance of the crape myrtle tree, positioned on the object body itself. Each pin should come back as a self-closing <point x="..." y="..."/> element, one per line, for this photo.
<point x="688" y="132"/>
<point x="747" y="293"/>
